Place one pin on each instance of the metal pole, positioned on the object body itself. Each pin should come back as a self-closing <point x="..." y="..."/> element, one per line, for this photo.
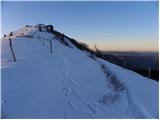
<point x="50" y="45"/>
<point x="149" y="72"/>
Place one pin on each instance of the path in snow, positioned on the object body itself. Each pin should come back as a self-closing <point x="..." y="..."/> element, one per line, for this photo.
<point x="72" y="96"/>
<point x="94" y="109"/>
<point x="133" y="108"/>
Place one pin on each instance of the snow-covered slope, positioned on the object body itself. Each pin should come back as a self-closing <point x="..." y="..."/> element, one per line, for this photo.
<point x="67" y="83"/>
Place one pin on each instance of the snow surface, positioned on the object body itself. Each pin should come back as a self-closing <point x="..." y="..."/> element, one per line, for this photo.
<point x="68" y="83"/>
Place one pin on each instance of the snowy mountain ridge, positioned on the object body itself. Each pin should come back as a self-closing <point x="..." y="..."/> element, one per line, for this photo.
<point x="57" y="77"/>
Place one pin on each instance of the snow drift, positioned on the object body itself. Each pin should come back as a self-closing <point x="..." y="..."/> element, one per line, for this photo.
<point x="69" y="82"/>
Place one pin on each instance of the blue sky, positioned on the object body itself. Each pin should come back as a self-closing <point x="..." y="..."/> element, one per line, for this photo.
<point x="109" y="25"/>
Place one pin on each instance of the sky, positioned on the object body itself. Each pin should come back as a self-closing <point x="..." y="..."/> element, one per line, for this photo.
<point x="111" y="26"/>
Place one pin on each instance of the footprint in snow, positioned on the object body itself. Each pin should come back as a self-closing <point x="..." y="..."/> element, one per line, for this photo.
<point x="75" y="94"/>
<point x="64" y="114"/>
<point x="3" y="101"/>
<point x="71" y="106"/>
<point x="66" y="91"/>
<point x="65" y="74"/>
<point x="72" y="81"/>
<point x="91" y="108"/>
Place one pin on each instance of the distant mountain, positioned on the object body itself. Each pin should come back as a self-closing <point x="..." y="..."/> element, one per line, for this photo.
<point x="140" y="62"/>
<point x="55" y="76"/>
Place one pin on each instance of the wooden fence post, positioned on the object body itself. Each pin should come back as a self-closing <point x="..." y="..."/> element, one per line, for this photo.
<point x="38" y="37"/>
<point x="10" y="44"/>
<point x="50" y="45"/>
<point x="43" y="41"/>
<point x="149" y="72"/>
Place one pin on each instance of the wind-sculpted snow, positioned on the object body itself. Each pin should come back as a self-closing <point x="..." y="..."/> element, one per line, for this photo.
<point x="68" y="83"/>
